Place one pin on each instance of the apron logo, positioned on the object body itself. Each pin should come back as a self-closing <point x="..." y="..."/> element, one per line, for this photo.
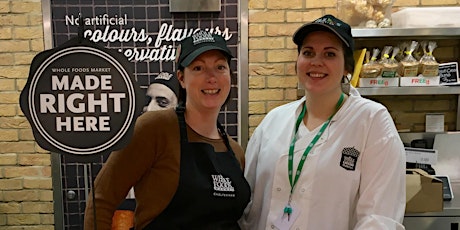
<point x="223" y="186"/>
<point x="349" y="158"/>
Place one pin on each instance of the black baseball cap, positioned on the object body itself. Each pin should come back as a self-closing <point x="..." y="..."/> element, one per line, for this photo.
<point x="198" y="43"/>
<point x="169" y="80"/>
<point x="328" y="23"/>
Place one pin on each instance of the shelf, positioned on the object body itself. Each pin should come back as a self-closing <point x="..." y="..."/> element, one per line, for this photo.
<point x="399" y="91"/>
<point x="363" y="35"/>
<point x="405" y="32"/>
<point x="429" y="90"/>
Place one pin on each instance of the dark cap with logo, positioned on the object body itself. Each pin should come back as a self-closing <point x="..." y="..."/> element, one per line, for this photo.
<point x="198" y="43"/>
<point x="328" y="23"/>
<point x="169" y="80"/>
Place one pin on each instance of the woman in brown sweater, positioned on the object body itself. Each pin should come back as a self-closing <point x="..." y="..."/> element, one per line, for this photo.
<point x="186" y="172"/>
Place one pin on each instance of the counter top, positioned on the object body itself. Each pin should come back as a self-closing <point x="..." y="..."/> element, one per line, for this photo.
<point x="451" y="208"/>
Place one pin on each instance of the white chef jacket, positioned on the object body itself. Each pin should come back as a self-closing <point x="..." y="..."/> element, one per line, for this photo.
<point x="336" y="190"/>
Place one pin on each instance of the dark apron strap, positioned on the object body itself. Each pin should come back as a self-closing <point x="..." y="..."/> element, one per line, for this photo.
<point x="224" y="136"/>
<point x="182" y="125"/>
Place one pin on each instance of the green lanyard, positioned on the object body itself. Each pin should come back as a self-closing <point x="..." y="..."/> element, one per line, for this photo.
<point x="288" y="209"/>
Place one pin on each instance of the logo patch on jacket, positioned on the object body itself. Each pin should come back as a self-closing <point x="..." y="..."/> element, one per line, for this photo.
<point x="349" y="158"/>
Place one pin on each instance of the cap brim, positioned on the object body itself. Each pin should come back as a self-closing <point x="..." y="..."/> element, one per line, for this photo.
<point x="189" y="59"/>
<point x="301" y="33"/>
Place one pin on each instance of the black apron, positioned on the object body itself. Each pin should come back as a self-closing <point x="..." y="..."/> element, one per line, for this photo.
<point x="212" y="192"/>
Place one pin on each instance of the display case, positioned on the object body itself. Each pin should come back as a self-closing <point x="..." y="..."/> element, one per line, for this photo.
<point x="383" y="36"/>
<point x="449" y="218"/>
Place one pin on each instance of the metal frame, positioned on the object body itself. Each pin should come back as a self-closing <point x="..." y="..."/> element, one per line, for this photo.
<point x="243" y="98"/>
<point x="194" y="6"/>
<point x="56" y="173"/>
<point x="243" y="74"/>
<point x="406" y="32"/>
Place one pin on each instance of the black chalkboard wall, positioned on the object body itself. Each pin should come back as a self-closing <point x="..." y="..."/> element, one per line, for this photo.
<point x="145" y="32"/>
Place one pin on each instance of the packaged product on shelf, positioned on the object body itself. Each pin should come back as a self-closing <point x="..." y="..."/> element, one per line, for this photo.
<point x="372" y="67"/>
<point x="385" y="54"/>
<point x="389" y="64"/>
<point x="418" y="53"/>
<point x="403" y="46"/>
<point x="365" y="13"/>
<point x="411" y="66"/>
<point x="408" y="66"/>
<point x="429" y="67"/>
<point x="423" y="46"/>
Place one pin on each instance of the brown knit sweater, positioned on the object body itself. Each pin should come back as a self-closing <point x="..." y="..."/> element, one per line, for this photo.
<point x="150" y="163"/>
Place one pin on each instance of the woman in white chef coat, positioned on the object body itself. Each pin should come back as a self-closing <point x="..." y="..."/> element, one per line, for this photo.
<point x="332" y="159"/>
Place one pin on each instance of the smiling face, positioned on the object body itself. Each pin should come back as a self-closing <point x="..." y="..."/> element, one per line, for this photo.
<point x="321" y="63"/>
<point x="206" y="81"/>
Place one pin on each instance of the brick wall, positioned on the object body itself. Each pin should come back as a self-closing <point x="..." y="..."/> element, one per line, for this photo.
<point x="26" y="196"/>
<point x="272" y="54"/>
